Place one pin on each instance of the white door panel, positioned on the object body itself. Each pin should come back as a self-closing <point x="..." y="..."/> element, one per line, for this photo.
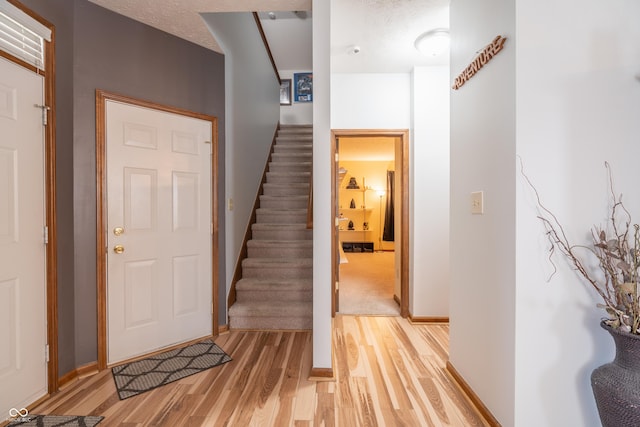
<point x="159" y="193"/>
<point x="23" y="337"/>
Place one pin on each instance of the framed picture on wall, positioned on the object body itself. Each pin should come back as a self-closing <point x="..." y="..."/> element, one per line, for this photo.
<point x="303" y="87"/>
<point x="285" y="92"/>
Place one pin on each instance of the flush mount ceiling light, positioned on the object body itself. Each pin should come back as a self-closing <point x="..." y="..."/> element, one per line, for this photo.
<point x="433" y="42"/>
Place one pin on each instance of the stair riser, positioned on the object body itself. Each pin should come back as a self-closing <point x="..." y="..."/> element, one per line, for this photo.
<point x="285" y="178"/>
<point x="276" y="252"/>
<point x="292" y="134"/>
<point x="301" y="190"/>
<point x="265" y="296"/>
<point x="289" y="272"/>
<point x="296" y="129"/>
<point x="284" y="323"/>
<point x="289" y="167"/>
<point x="294" y="139"/>
<point x="292" y="157"/>
<point x="293" y="148"/>
<point x="283" y="234"/>
<point x="284" y="203"/>
<point x="285" y="218"/>
<point x="295" y="134"/>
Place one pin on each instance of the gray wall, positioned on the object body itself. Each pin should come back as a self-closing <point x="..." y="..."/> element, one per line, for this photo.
<point x="98" y="49"/>
<point x="252" y="114"/>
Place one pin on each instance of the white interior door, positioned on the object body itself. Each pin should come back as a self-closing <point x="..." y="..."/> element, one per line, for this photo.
<point x="23" y="336"/>
<point x="159" y="279"/>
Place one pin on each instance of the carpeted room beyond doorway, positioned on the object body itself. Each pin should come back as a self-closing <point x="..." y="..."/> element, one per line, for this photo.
<point x="367" y="283"/>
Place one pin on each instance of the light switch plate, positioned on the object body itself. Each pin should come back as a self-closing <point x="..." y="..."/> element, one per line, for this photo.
<point x="477" y="203"/>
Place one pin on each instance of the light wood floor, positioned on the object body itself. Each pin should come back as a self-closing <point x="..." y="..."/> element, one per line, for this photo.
<point x="388" y="372"/>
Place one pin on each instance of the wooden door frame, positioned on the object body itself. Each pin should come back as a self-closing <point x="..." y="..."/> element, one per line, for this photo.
<point x="403" y="135"/>
<point x="101" y="227"/>
<point x="51" y="256"/>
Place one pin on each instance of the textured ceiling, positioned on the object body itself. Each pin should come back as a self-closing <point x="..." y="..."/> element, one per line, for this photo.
<point x="182" y="17"/>
<point x="384" y="30"/>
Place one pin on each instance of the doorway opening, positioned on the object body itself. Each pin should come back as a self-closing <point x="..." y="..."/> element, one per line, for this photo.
<point x="370" y="241"/>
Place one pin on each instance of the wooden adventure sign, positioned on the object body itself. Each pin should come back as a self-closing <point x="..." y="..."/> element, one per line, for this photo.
<point x="479" y="61"/>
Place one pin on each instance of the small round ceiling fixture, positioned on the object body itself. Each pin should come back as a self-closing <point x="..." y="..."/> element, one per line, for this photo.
<point x="433" y="42"/>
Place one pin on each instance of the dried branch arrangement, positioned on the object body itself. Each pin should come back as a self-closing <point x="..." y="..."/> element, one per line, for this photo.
<point x="617" y="250"/>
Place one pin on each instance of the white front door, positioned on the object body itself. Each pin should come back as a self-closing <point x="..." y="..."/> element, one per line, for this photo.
<point x="159" y="266"/>
<point x="23" y="328"/>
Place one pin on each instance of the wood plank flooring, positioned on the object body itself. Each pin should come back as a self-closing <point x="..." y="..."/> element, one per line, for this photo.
<point x="388" y="372"/>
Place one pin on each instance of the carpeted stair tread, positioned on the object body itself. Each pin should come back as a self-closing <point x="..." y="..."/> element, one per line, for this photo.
<point x="299" y="197"/>
<point x="288" y="136"/>
<point x="291" y="156"/>
<point x="281" y="243"/>
<point x="294" y="139"/>
<point x="277" y="262"/>
<point x="293" y="202"/>
<point x="272" y="309"/>
<point x="303" y="185"/>
<point x="280" y="248"/>
<point x="295" y="129"/>
<point x="276" y="227"/>
<point x="294" y="189"/>
<point x="284" y="234"/>
<point x="265" y="323"/>
<point x="272" y="216"/>
<point x="295" y="231"/>
<point x="299" y="142"/>
<point x="264" y="291"/>
<point x="281" y="211"/>
<point x="289" y="174"/>
<point x="290" y="166"/>
<point x="293" y="186"/>
<point x="288" y="177"/>
<point x="254" y="284"/>
<point x="285" y="164"/>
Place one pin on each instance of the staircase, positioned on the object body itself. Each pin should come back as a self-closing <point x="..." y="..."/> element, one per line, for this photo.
<point x="275" y="291"/>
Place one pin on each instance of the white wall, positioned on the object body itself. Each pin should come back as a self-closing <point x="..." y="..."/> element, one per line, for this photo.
<point x="252" y="97"/>
<point x="370" y="101"/>
<point x="419" y="102"/>
<point x="322" y="215"/>
<point x="482" y="312"/>
<point x="565" y="105"/>
<point x="578" y="105"/>
<point x="429" y="189"/>
<point x="298" y="113"/>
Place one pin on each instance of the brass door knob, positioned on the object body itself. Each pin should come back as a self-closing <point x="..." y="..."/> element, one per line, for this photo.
<point x="118" y="249"/>
<point x="118" y="231"/>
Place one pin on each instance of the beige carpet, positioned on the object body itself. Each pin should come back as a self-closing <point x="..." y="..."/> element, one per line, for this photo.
<point x="366" y="284"/>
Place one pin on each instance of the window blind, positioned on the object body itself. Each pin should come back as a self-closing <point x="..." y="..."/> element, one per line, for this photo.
<point x="21" y="35"/>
